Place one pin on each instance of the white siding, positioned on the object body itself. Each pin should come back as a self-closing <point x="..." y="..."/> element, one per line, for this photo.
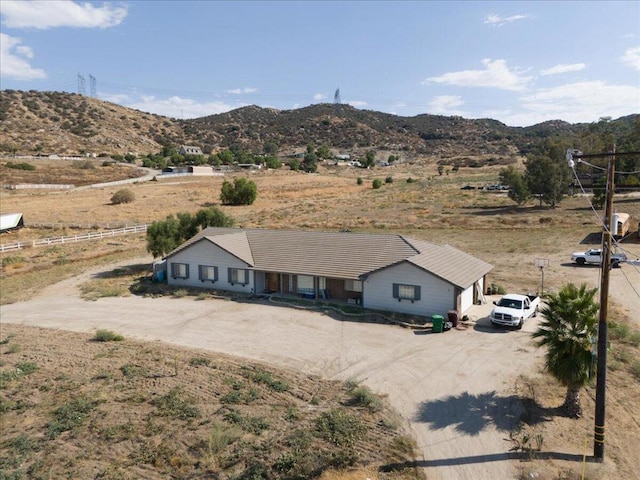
<point x="436" y="295"/>
<point x="206" y="253"/>
<point x="467" y="298"/>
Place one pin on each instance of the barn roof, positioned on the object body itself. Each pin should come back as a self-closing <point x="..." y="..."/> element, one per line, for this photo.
<point x="10" y="221"/>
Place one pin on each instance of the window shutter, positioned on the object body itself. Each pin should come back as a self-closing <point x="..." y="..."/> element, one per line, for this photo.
<point x="396" y="290"/>
<point x="246" y="277"/>
<point x="416" y="292"/>
<point x="230" y="277"/>
<point x="186" y="270"/>
<point x="215" y="274"/>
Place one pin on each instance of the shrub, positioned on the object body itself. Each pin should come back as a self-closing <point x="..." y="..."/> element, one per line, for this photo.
<point x="70" y="416"/>
<point x="107" y="336"/>
<point x="363" y="396"/>
<point x="377" y="183"/>
<point x="389" y="179"/>
<point x="176" y="404"/>
<point x="21" y="166"/>
<point x="12" y="260"/>
<point x="359" y="181"/>
<point x="411" y="180"/>
<point x="123" y="196"/>
<point x="241" y="192"/>
<point x="340" y="427"/>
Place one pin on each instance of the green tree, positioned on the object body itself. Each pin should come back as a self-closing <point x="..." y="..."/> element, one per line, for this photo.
<point x="546" y="179"/>
<point x="270" y="148"/>
<point x="440" y="169"/>
<point x="226" y="157"/>
<point x="377" y="183"/>
<point x="271" y="161"/>
<point x="241" y="192"/>
<point x="163" y="236"/>
<point x="568" y="331"/>
<point x="324" y="152"/>
<point x="369" y="159"/>
<point x="294" y="165"/>
<point x="518" y="191"/>
<point x="212" y="217"/>
<point x="599" y="192"/>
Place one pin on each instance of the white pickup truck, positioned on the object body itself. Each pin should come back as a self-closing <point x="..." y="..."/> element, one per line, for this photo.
<point x="594" y="256"/>
<point x="512" y="310"/>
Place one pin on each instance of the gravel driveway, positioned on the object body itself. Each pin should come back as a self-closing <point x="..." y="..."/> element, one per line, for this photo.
<point x="455" y="389"/>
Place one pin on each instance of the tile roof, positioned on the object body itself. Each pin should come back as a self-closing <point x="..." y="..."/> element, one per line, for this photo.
<point x="340" y="254"/>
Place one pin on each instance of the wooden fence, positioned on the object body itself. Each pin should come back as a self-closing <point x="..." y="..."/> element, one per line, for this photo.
<point x="73" y="238"/>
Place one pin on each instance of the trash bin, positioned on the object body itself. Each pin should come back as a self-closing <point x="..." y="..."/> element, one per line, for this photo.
<point x="452" y="316"/>
<point x="437" y="321"/>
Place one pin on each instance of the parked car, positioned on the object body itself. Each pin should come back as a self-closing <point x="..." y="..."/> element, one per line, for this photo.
<point x="513" y="310"/>
<point x="468" y="187"/>
<point x="594" y="256"/>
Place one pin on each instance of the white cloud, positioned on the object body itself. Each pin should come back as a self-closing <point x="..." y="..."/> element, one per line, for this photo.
<point x="632" y="57"/>
<point x="240" y="91"/>
<point x="45" y="14"/>
<point x="319" y="96"/>
<point x="175" y="107"/>
<point x="562" y="68"/>
<point x="13" y="60"/>
<point x="498" y="21"/>
<point x="447" y="105"/>
<point x="575" y="103"/>
<point x="495" y="75"/>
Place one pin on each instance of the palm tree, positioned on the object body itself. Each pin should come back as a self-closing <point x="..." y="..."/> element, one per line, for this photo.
<point x="568" y="330"/>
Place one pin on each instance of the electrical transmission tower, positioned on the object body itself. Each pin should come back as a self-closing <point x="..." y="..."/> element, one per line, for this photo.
<point x="81" y="84"/>
<point x="336" y="97"/>
<point x="92" y="86"/>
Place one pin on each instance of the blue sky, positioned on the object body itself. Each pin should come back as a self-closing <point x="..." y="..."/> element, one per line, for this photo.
<point x="517" y="62"/>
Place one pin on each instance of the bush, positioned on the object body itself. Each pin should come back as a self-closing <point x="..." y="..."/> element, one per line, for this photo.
<point x="411" y="180"/>
<point x="388" y="180"/>
<point x="377" y="183"/>
<point x="21" y="166"/>
<point x="241" y="192"/>
<point x="107" y="336"/>
<point x="340" y="427"/>
<point x="359" y="181"/>
<point x="123" y="196"/>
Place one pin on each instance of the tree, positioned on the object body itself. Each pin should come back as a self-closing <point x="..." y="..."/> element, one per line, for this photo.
<point x="376" y="184"/>
<point x="241" y="192"/>
<point x="518" y="191"/>
<point x="546" y="179"/>
<point x="163" y="236"/>
<point x="370" y="159"/>
<point x="599" y="192"/>
<point x="324" y="152"/>
<point x="568" y="331"/>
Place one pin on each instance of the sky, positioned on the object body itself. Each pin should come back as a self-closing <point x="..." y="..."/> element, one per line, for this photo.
<point x="521" y="63"/>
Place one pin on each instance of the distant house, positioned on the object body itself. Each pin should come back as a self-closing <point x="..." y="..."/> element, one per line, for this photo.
<point x="195" y="170"/>
<point x="11" y="221"/>
<point x="190" y="150"/>
<point x="392" y="273"/>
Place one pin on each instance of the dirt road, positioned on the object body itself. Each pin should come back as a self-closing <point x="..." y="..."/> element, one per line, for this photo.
<point x="455" y="389"/>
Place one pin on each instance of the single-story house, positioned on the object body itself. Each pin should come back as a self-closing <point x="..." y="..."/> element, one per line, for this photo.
<point x="195" y="170"/>
<point x="190" y="150"/>
<point x="385" y="272"/>
<point x="11" y="221"/>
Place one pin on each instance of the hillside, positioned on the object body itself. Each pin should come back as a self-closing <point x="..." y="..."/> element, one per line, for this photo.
<point x="63" y="123"/>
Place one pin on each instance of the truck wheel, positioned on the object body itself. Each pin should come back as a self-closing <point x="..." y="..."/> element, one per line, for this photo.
<point x="535" y="312"/>
<point x="519" y="326"/>
<point x="580" y="261"/>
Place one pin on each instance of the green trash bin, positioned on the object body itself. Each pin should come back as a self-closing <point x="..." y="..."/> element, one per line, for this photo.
<point x="437" y="322"/>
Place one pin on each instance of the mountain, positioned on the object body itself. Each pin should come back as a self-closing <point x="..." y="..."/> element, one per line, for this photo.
<point x="66" y="123"/>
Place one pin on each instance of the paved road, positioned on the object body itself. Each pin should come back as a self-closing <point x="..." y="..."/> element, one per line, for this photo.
<point x="454" y="389"/>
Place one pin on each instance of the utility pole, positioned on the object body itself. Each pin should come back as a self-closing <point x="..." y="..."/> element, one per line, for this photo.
<point x="601" y="374"/>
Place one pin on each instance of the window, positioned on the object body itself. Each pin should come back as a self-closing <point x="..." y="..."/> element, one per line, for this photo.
<point x="180" y="270"/>
<point x="238" y="275"/>
<point x="353" y="285"/>
<point x="406" y="292"/>
<point x="208" y="273"/>
<point x="305" y="284"/>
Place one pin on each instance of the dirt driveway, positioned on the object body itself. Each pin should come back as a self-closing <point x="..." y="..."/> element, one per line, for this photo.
<point x="455" y="389"/>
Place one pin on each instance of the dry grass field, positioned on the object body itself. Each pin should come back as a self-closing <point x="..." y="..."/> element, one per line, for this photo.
<point x="431" y="207"/>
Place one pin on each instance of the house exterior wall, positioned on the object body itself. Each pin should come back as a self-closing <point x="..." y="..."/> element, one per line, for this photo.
<point x="466" y="299"/>
<point x="436" y="296"/>
<point x="205" y="253"/>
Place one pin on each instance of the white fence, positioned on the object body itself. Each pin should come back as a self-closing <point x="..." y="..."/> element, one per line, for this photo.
<point x="74" y="238"/>
<point x="22" y="186"/>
